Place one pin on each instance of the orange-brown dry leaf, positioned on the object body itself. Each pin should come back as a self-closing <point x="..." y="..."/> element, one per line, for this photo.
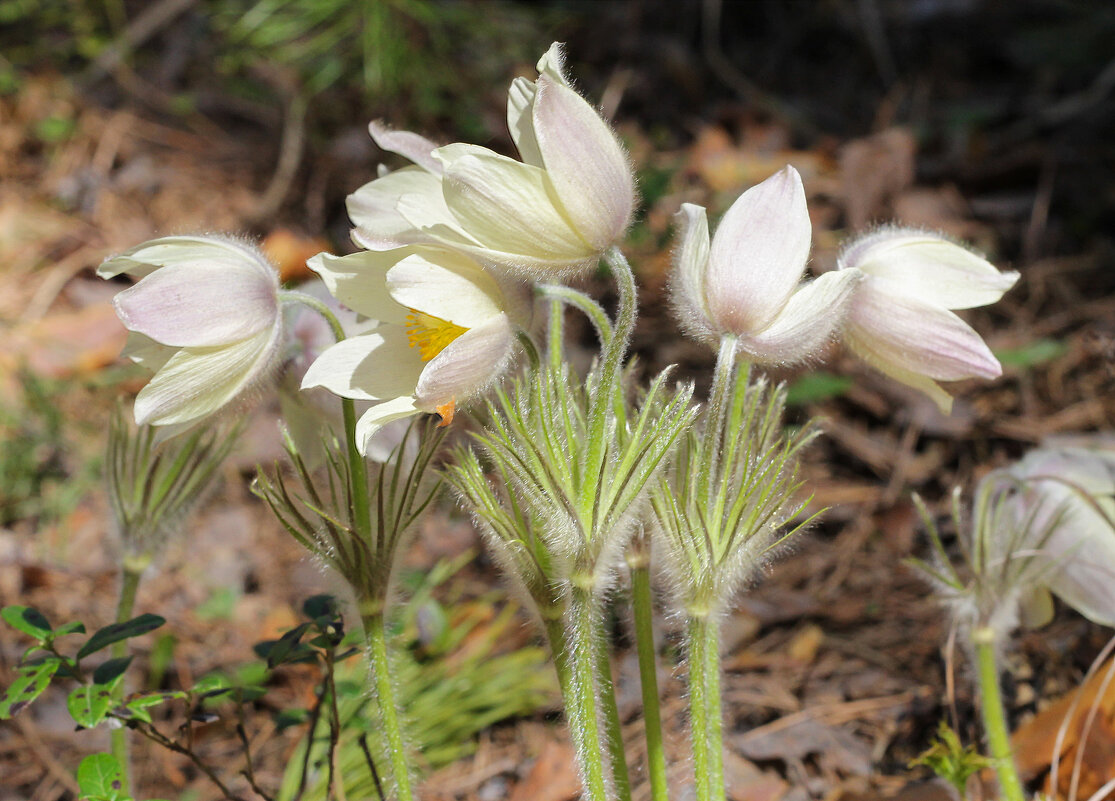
<point x="553" y="776"/>
<point x="873" y="171"/>
<point x="1035" y="743"/>
<point x="289" y="251"/>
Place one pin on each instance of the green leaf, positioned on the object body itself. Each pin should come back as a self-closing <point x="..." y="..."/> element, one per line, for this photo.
<point x="285" y="645"/>
<point x="27" y="619"/>
<point x="817" y="387"/>
<point x="31" y="681"/>
<point x="111" y="670"/>
<point x="1032" y="354"/>
<point x="100" y="777"/>
<point x="137" y="708"/>
<point x="318" y="606"/>
<point x="120" y="631"/>
<point x="286" y="718"/>
<point x="73" y="627"/>
<point x="89" y="705"/>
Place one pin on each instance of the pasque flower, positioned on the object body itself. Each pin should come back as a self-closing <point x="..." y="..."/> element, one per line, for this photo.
<point x="568" y="200"/>
<point x="204" y="316"/>
<point x="746" y="283"/>
<point x="900" y="321"/>
<point x="1062" y="503"/>
<point x="446" y="331"/>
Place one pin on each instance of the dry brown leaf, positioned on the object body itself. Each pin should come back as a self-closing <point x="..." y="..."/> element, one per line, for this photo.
<point x="873" y="171"/>
<point x="1036" y="742"/>
<point x="553" y="776"/>
<point x="289" y="251"/>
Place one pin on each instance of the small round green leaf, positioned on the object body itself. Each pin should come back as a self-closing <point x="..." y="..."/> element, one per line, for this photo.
<point x="100" y="776"/>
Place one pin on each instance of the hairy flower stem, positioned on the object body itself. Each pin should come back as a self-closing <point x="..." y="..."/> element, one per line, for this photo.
<point x="703" y="634"/>
<point x="583" y="708"/>
<point x="994" y="718"/>
<point x="639" y="562"/>
<point x="375" y="636"/>
<point x="133" y="568"/>
<point x="715" y="415"/>
<point x="361" y="511"/>
<point x="613" y="730"/>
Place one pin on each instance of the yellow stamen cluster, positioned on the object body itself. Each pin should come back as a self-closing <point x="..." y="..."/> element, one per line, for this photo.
<point x="429" y="334"/>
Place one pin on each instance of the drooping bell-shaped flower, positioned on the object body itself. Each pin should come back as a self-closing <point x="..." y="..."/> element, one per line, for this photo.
<point x="446" y="331"/>
<point x="205" y="318"/>
<point x="899" y="320"/>
<point x="747" y="282"/>
<point x="1062" y="500"/>
<point x="557" y="210"/>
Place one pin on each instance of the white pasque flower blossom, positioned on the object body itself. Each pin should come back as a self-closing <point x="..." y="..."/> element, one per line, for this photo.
<point x="899" y="320"/>
<point x="446" y="330"/>
<point x="746" y="282"/>
<point x="204" y="317"/>
<point x="1062" y="509"/>
<point x="568" y="200"/>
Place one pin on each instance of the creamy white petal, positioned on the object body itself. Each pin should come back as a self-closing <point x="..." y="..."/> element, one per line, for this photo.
<point x="359" y="281"/>
<point x="169" y="251"/>
<point x="199" y="304"/>
<point x="691" y="257"/>
<point x="929" y="267"/>
<point x="411" y="146"/>
<point x="552" y="64"/>
<point x="585" y="163"/>
<point x="196" y="382"/>
<point x="446" y="285"/>
<point x="758" y="254"/>
<point x="808" y="321"/>
<point x="520" y="120"/>
<point x="374" y="366"/>
<point x="147" y="352"/>
<point x="373" y="208"/>
<point x="468" y="365"/>
<point x="509" y="207"/>
<point x="373" y="420"/>
<point x="918" y="336"/>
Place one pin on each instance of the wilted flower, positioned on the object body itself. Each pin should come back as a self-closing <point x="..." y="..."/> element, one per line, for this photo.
<point x="1063" y="499"/>
<point x="568" y="200"/>
<point x="205" y="317"/>
<point x="746" y="283"/>
<point x="446" y="331"/>
<point x="899" y="320"/>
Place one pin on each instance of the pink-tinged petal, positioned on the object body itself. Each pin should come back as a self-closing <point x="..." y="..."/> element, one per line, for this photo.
<point x="468" y="365"/>
<point x="170" y="251"/>
<point x="359" y="281"/>
<point x="196" y="382"/>
<point x="808" y="321"/>
<point x="508" y="207"/>
<point x="687" y="283"/>
<point x="552" y="64"/>
<point x="412" y="146"/>
<point x="585" y="162"/>
<point x="929" y="267"/>
<point x="200" y="304"/>
<point x="380" y="415"/>
<point x="446" y="285"/>
<point x="374" y="208"/>
<point x="758" y="254"/>
<point x="865" y="350"/>
<point x="917" y="336"/>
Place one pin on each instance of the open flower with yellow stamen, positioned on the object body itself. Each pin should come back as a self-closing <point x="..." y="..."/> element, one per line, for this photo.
<point x="446" y="330"/>
<point x="557" y="210"/>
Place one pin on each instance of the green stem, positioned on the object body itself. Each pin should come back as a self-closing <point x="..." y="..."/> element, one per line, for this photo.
<point x="584" y="711"/>
<point x="704" y="705"/>
<point x="361" y="510"/>
<point x="129" y="586"/>
<point x="714" y="415"/>
<point x="648" y="672"/>
<point x="994" y="717"/>
<point x="613" y="730"/>
<point x="375" y="635"/>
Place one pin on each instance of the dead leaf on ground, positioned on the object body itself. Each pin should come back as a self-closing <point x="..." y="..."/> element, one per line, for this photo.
<point x="553" y="776"/>
<point x="874" y="170"/>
